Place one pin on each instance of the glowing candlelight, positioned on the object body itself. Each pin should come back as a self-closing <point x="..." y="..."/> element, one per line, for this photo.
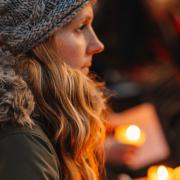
<point x="131" y="134"/>
<point x="160" y="173"/>
<point x="176" y="173"/>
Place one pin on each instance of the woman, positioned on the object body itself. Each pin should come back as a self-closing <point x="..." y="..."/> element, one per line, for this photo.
<point x="51" y="114"/>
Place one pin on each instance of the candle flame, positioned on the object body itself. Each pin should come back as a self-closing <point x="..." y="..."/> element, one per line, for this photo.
<point x="130" y="134"/>
<point x="133" y="133"/>
<point x="162" y="173"/>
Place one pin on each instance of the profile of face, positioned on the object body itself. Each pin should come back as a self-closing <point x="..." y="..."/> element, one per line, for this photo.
<point x="77" y="42"/>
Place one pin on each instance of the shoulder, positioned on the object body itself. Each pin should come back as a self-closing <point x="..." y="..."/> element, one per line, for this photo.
<point x="26" y="153"/>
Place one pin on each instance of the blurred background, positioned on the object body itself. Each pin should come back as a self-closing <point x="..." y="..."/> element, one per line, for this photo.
<point x="140" y="65"/>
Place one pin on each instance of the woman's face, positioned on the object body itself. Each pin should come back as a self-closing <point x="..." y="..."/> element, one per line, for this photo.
<point x="77" y="42"/>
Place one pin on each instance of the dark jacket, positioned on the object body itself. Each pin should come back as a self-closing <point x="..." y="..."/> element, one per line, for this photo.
<point x="27" y="154"/>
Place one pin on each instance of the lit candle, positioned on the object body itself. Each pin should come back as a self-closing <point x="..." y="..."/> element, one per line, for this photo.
<point x="160" y="173"/>
<point x="130" y="134"/>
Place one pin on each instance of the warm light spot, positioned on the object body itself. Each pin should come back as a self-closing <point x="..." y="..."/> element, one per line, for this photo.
<point x="162" y="173"/>
<point x="176" y="173"/>
<point x="130" y="134"/>
<point x="133" y="133"/>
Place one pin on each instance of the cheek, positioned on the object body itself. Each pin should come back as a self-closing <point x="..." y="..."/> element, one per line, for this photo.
<point x="73" y="56"/>
<point x="71" y="50"/>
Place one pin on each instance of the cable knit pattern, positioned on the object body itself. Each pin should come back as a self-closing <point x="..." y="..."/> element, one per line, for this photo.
<point x="25" y="23"/>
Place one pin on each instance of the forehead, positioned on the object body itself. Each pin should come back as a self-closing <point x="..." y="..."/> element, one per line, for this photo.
<point x="86" y="12"/>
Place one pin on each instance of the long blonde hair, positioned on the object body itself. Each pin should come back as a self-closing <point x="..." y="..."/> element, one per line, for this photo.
<point x="71" y="105"/>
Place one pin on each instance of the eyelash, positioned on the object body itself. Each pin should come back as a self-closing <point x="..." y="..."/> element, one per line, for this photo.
<point x="81" y="27"/>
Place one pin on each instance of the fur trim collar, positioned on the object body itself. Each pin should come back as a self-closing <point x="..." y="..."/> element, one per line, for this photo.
<point x="16" y="99"/>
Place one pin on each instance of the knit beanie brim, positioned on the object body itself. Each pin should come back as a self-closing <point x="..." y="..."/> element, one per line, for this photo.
<point x="23" y="36"/>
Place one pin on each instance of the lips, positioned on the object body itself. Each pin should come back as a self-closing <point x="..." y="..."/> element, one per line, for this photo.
<point x="85" y="70"/>
<point x="87" y="65"/>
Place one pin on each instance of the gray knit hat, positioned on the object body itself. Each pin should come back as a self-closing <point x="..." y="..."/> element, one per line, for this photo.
<point x="25" y="23"/>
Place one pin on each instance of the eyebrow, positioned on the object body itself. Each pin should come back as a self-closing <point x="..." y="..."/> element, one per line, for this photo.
<point x="85" y="18"/>
<point x="94" y="1"/>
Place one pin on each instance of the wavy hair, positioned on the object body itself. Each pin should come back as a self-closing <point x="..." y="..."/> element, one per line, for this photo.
<point x="72" y="106"/>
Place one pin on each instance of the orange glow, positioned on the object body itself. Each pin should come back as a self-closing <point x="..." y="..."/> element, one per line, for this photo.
<point x="176" y="173"/>
<point x="129" y="134"/>
<point x="160" y="173"/>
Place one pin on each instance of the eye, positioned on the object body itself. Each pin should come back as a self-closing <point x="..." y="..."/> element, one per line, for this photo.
<point x="81" y="27"/>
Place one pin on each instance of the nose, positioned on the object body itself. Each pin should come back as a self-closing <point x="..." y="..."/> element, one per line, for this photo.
<point x="95" y="45"/>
